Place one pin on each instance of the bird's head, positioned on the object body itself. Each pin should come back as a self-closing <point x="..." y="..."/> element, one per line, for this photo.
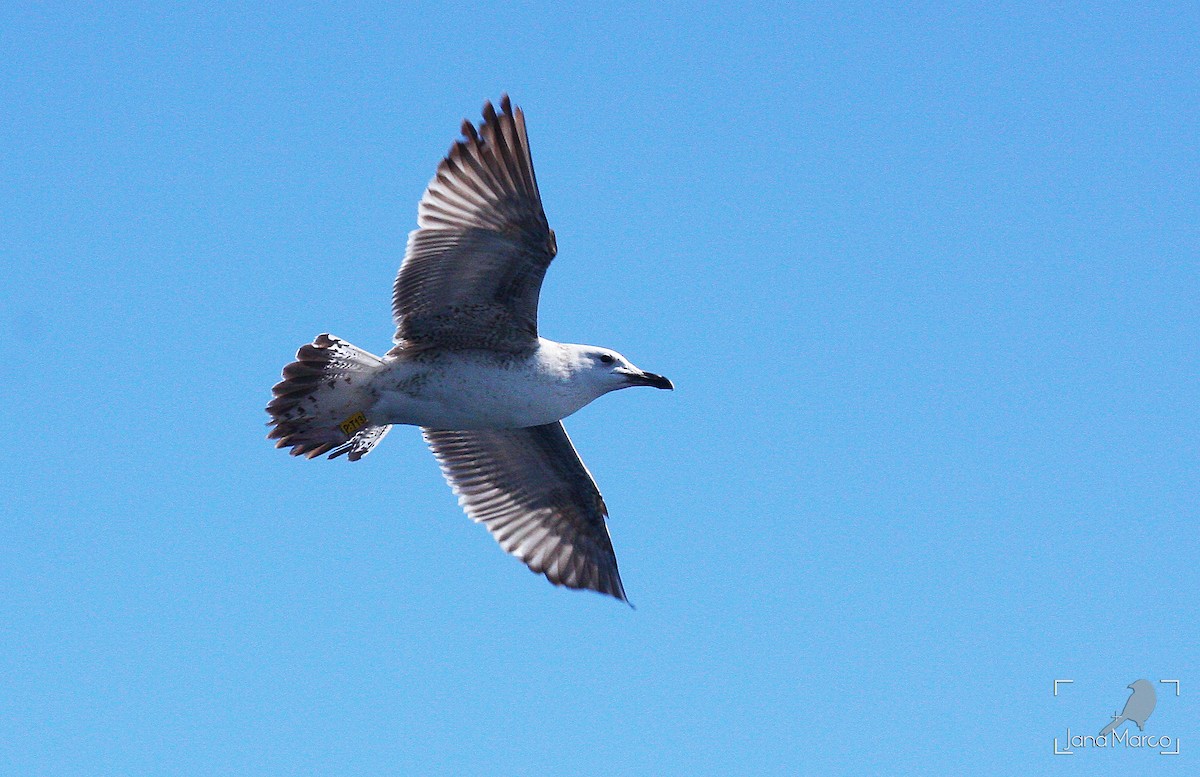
<point x="608" y="370"/>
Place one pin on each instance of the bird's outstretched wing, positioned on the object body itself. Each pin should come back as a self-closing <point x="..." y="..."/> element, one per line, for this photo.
<point x="473" y="269"/>
<point x="530" y="489"/>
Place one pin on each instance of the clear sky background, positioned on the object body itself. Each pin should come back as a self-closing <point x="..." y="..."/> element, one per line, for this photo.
<point x="927" y="281"/>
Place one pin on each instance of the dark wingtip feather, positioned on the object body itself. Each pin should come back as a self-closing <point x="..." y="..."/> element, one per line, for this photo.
<point x="489" y="112"/>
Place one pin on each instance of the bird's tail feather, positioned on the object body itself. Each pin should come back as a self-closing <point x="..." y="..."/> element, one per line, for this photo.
<point x="1111" y="726"/>
<point x="320" y="405"/>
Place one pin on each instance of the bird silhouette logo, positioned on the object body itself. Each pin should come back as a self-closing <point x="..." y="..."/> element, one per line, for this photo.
<point x="1138" y="707"/>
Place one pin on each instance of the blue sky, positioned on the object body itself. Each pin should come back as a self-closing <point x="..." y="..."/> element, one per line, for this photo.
<point x="926" y="279"/>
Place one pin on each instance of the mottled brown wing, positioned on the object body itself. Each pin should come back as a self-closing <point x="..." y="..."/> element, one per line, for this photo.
<point x="473" y="269"/>
<point x="532" y="492"/>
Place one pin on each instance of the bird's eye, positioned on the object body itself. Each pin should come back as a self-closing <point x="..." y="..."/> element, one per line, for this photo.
<point x="606" y="359"/>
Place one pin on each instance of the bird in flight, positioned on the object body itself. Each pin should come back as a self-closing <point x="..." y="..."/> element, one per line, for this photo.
<point x="469" y="368"/>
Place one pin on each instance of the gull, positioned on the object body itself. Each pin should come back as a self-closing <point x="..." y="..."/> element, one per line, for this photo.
<point x="469" y="368"/>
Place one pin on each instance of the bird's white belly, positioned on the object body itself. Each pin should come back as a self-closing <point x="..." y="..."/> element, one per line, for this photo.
<point x="458" y="392"/>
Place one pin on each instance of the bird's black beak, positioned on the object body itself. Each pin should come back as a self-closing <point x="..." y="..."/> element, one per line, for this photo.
<point x="650" y="379"/>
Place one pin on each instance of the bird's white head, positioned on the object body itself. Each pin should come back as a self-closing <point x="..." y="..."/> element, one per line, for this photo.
<point x="606" y="370"/>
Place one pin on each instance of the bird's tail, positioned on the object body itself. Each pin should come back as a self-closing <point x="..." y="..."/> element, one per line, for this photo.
<point x="320" y="405"/>
<point x="1116" y="721"/>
